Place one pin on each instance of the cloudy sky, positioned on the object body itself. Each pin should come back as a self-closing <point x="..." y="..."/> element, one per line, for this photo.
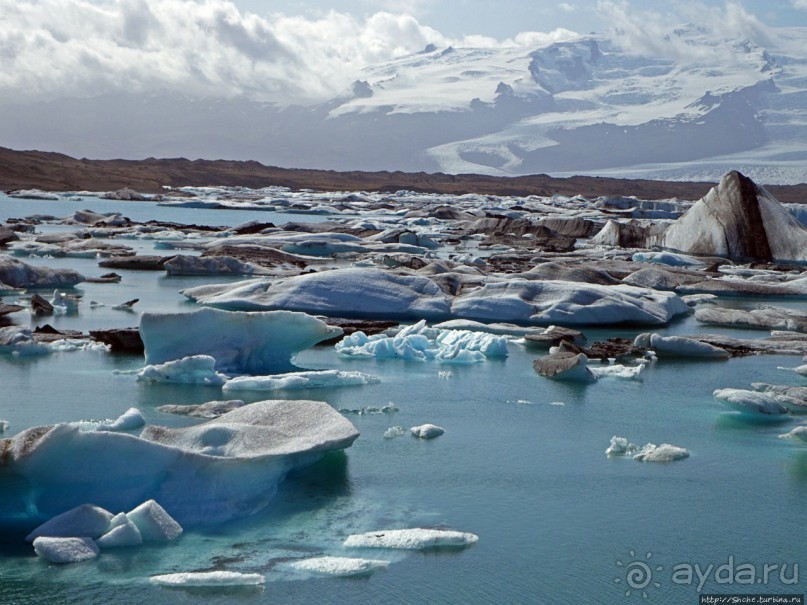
<point x="305" y="51"/>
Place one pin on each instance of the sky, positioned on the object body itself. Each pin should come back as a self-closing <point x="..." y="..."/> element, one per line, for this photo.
<point x="308" y="51"/>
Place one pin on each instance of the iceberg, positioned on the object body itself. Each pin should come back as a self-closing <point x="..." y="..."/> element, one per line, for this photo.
<point x="679" y="346"/>
<point x="421" y="343"/>
<point x="17" y="340"/>
<point x="565" y="366"/>
<point x="208" y="578"/>
<point x="617" y="371"/>
<point x="411" y="539"/>
<point x="427" y="431"/>
<point x="299" y="380"/>
<point x="661" y="453"/>
<point x="66" y="550"/>
<point x="221" y="469"/>
<point x="752" y="403"/>
<point x="17" y="274"/>
<point x="797" y="434"/>
<point x="131" y="419"/>
<point x="240" y="342"/>
<point x="211" y="409"/>
<point x="195" y="369"/>
<point x="337" y="566"/>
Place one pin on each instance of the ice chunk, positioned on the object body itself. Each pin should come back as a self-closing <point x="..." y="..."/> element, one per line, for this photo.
<point x="18" y="274"/>
<point x="242" y="343"/>
<point x="85" y="520"/>
<point x="661" y="453"/>
<point x="66" y="550"/>
<point x="620" y="446"/>
<point x="427" y="431"/>
<point x="797" y="434"/>
<point x="617" y="371"/>
<point x="129" y="420"/>
<point x="752" y="403"/>
<point x="679" y="346"/>
<point x="221" y="469"/>
<point x="566" y="366"/>
<point x="211" y="409"/>
<point x="411" y="539"/>
<point x="195" y="369"/>
<point x="3" y="426"/>
<point x="154" y="524"/>
<point x="18" y="340"/>
<point x="208" y="578"/>
<point x="419" y="342"/>
<point x="394" y="431"/>
<point x="122" y="532"/>
<point x="299" y="380"/>
<point x="667" y="258"/>
<point x="338" y="566"/>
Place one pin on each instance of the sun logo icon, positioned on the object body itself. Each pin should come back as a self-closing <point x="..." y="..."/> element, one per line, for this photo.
<point x="638" y="575"/>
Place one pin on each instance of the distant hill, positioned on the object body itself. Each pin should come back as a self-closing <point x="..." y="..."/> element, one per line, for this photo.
<point x="57" y="172"/>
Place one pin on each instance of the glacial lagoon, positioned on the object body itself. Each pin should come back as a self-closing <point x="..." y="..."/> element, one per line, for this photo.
<point x="522" y="465"/>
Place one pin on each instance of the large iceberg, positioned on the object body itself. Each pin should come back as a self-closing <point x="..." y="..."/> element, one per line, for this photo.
<point x="224" y="468"/>
<point x="18" y="274"/>
<point x="241" y="343"/>
<point x="374" y="293"/>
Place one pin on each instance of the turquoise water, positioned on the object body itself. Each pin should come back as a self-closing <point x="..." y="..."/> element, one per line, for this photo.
<point x="530" y="477"/>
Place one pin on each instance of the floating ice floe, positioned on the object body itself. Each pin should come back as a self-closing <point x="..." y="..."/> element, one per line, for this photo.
<point x="565" y="366"/>
<point x="183" y="264"/>
<point x="766" y="318"/>
<point x="427" y="431"/>
<point x="195" y="369"/>
<point x="411" y="539"/>
<point x="241" y="343"/>
<point x="208" y="578"/>
<point x="154" y="523"/>
<point x="797" y="434"/>
<point x="679" y="346"/>
<point x="18" y="274"/>
<point x="299" y="380"/>
<point x="337" y="566"/>
<point x="224" y="468"/>
<point x="762" y="406"/>
<point x="394" y="432"/>
<point x="620" y="446"/>
<point x="17" y="340"/>
<point x="667" y="258"/>
<point x="3" y="426"/>
<point x="617" y="371"/>
<point x="66" y="550"/>
<point x="422" y="343"/>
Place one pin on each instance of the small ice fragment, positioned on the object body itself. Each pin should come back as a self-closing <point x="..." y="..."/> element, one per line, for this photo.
<point x="410" y="539"/>
<point x="394" y="431"/>
<point x="338" y="566"/>
<point x="65" y="550"/>
<point x="558" y="403"/>
<point x="85" y="520"/>
<point x="524" y="402"/>
<point x="445" y="374"/>
<point x="299" y="380"/>
<point x="195" y="369"/>
<point x="620" y="446"/>
<point x="797" y="434"/>
<point x="130" y="419"/>
<point x="122" y="532"/>
<point x="208" y="578"/>
<point x="3" y="426"/>
<point x="154" y="523"/>
<point x="427" y="431"/>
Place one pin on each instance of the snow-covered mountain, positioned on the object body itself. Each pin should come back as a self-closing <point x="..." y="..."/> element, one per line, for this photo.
<point x="689" y="109"/>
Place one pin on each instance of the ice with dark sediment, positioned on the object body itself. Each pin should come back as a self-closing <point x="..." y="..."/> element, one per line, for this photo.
<point x="679" y="346"/>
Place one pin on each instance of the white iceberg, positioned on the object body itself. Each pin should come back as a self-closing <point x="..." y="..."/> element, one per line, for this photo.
<point x="394" y="431"/>
<point x="17" y="340"/>
<point x="752" y="403"/>
<point x="411" y="539"/>
<point x="679" y="346"/>
<point x="66" y="550"/>
<point x="422" y="343"/>
<point x="427" y="431"/>
<point x="242" y="343"/>
<point x="617" y="371"/>
<point x="18" y="274"/>
<point x="661" y="453"/>
<point x="338" y="566"/>
<point x="620" y="446"/>
<point x="208" y="578"/>
<point x="194" y="369"/>
<point x="3" y="426"/>
<point x="85" y="520"/>
<point x="299" y="380"/>
<point x="221" y="469"/>
<point x="797" y="434"/>
<point x="131" y="419"/>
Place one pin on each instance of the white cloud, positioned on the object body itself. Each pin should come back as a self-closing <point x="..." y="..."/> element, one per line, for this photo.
<point x="81" y="48"/>
<point x="565" y="6"/>
<point x="800" y="4"/>
<point x="652" y="32"/>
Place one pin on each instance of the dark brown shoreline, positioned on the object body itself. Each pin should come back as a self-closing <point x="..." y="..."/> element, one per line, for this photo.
<point x="57" y="172"/>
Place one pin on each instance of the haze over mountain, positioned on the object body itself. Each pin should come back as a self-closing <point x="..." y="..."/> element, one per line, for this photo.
<point x="647" y="99"/>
